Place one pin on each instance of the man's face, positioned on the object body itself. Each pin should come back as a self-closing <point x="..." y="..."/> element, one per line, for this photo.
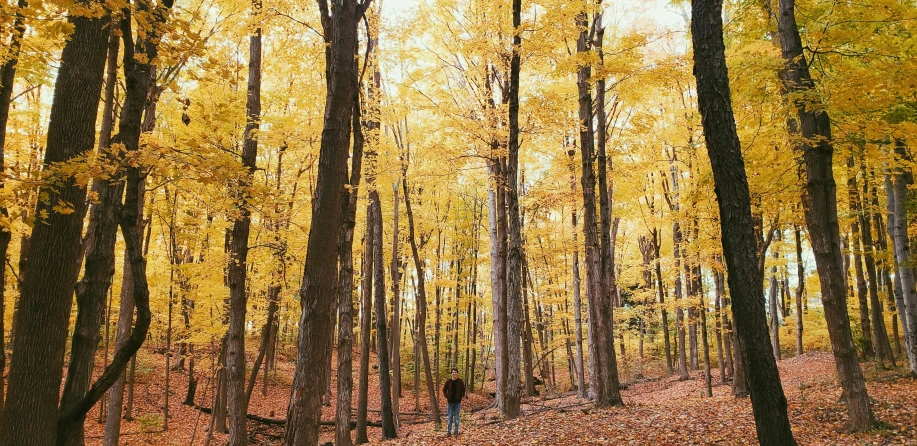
<point x="454" y="374"/>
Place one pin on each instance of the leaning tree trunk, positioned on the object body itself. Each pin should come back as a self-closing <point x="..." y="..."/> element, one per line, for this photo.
<point x="238" y="265"/>
<point x="42" y="319"/>
<point x="820" y="204"/>
<point x="317" y="293"/>
<point x="738" y="233"/>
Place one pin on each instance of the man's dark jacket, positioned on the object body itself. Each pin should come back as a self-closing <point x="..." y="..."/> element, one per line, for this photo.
<point x="454" y="390"/>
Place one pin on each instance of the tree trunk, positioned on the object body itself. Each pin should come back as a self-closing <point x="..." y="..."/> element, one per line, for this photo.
<point x="238" y="265"/>
<point x="395" y="334"/>
<point x="577" y="298"/>
<point x="365" y="327"/>
<point x="881" y="345"/>
<point x="738" y="233"/>
<point x="800" y="291"/>
<point x="42" y="319"/>
<point x="7" y="82"/>
<point x="385" y="385"/>
<point x="903" y="255"/>
<point x="345" y="289"/>
<point x="421" y="269"/>
<point x="317" y="293"/>
<point x="902" y="278"/>
<point x="820" y="204"/>
<point x="603" y="371"/>
<point x="853" y="202"/>
<point x="497" y="223"/>
<point x="772" y="300"/>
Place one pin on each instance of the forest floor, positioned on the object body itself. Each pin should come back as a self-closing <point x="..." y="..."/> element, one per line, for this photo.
<point x="657" y="411"/>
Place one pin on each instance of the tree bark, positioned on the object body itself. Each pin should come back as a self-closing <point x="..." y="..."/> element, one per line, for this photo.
<point x="385" y="384"/>
<point x="800" y="291"/>
<point x="738" y="233"/>
<point x="903" y="255"/>
<point x="238" y="266"/>
<point x="317" y="293"/>
<point x="820" y="204"/>
<point x="46" y="294"/>
<point x="421" y="269"/>
<point x="345" y="289"/>
<point x="366" y="312"/>
<point x="7" y="82"/>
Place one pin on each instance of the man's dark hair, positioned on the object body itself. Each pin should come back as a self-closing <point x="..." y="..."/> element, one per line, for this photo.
<point x="455" y="370"/>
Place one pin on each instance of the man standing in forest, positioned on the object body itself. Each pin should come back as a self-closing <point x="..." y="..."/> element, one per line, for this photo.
<point x="454" y="391"/>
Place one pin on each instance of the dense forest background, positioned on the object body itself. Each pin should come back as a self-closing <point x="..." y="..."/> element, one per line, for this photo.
<point x="286" y="222"/>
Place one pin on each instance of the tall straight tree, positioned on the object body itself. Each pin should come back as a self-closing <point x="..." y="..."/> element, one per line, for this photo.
<point x="812" y="136"/>
<point x="313" y="353"/>
<point x="46" y="293"/>
<point x="514" y="253"/>
<point x="420" y="267"/>
<point x="238" y="255"/>
<point x="7" y="81"/>
<point x="738" y="232"/>
<point x="602" y="383"/>
<point x="345" y="289"/>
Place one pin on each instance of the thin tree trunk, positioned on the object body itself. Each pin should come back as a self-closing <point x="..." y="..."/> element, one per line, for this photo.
<point x="772" y="300"/>
<point x="855" y="239"/>
<point x="577" y="298"/>
<point x="800" y="291"/>
<point x="365" y="327"/>
<point x="395" y="334"/>
<point x="238" y="266"/>
<point x="385" y="385"/>
<point x="420" y="267"/>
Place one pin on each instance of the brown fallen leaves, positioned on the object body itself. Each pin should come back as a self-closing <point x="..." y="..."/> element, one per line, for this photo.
<point x="657" y="412"/>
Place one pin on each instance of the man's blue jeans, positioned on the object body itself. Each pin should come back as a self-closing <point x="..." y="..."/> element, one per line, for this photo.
<point x="453" y="414"/>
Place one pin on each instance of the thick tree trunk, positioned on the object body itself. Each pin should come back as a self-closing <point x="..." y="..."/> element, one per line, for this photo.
<point x="820" y="204"/>
<point x="317" y="293"/>
<point x="603" y="373"/>
<point x="42" y="319"/>
<point x="497" y="226"/>
<point x="738" y="233"/>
